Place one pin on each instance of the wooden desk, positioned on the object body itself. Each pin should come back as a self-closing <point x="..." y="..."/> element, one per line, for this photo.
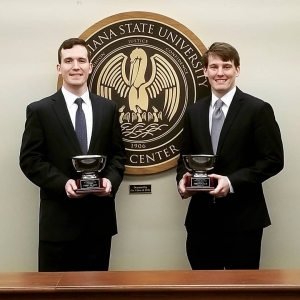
<point x="175" y="285"/>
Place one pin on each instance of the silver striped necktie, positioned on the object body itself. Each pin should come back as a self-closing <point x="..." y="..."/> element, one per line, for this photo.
<point x="218" y="118"/>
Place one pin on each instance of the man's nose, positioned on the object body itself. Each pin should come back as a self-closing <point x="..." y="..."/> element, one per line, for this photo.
<point x="75" y="64"/>
<point x="220" y="71"/>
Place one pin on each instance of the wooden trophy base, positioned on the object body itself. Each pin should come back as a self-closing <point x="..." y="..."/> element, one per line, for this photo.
<point x="200" y="184"/>
<point x="88" y="186"/>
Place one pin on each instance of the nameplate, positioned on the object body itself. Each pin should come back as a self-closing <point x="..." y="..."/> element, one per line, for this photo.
<point x="140" y="189"/>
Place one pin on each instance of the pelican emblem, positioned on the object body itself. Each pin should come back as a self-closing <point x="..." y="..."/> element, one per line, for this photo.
<point x="139" y="93"/>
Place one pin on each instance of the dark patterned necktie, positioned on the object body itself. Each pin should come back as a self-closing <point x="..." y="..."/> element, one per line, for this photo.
<point x="218" y="118"/>
<point x="80" y="126"/>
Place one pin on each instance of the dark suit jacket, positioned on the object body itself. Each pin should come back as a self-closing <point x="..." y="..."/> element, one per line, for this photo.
<point x="249" y="152"/>
<point x="49" y="142"/>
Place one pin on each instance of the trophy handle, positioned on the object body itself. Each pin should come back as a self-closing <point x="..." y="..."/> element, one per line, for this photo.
<point x="103" y="163"/>
<point x="186" y="163"/>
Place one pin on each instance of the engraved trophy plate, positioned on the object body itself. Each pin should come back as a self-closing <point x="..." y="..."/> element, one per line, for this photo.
<point x="198" y="165"/>
<point x="90" y="166"/>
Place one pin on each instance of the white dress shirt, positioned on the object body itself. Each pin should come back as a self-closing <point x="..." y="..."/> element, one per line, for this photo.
<point x="86" y="106"/>
<point x="227" y="99"/>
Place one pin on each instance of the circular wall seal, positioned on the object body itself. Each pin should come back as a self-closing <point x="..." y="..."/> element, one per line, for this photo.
<point x="150" y="65"/>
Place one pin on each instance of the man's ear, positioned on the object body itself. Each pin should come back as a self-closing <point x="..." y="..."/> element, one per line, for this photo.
<point x="58" y="68"/>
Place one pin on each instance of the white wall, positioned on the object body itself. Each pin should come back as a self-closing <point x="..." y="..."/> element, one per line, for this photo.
<point x="151" y="232"/>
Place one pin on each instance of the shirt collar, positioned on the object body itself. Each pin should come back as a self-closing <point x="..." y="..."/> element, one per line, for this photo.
<point x="227" y="98"/>
<point x="70" y="98"/>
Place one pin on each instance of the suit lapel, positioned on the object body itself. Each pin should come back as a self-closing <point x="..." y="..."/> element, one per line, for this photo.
<point x="203" y="115"/>
<point x="63" y="115"/>
<point x="97" y="120"/>
<point x="205" y="124"/>
<point x="234" y="108"/>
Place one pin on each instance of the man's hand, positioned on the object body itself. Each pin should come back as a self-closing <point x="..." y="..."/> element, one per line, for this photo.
<point x="181" y="186"/>
<point x="108" y="187"/>
<point x="222" y="188"/>
<point x="71" y="188"/>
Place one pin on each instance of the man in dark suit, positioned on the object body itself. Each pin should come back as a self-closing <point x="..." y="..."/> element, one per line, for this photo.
<point x="75" y="230"/>
<point x="225" y="226"/>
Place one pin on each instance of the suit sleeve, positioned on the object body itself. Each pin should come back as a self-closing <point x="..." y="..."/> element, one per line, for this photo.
<point x="186" y="148"/>
<point x="116" y="159"/>
<point x="268" y="152"/>
<point x="33" y="160"/>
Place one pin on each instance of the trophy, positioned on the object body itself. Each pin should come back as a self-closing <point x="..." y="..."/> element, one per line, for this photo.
<point x="198" y="165"/>
<point x="89" y="166"/>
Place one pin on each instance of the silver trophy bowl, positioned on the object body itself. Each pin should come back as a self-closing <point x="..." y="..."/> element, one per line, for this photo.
<point x="89" y="165"/>
<point x="199" y="164"/>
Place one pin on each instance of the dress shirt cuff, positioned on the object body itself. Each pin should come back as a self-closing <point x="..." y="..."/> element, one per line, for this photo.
<point x="230" y="186"/>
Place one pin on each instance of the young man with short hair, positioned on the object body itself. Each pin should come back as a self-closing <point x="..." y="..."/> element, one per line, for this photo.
<point x="225" y="226"/>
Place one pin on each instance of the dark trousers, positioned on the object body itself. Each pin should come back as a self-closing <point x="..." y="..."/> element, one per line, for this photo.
<point x="219" y="251"/>
<point x="83" y="254"/>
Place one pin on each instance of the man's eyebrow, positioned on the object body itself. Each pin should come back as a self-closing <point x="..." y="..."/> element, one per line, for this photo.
<point x="72" y="58"/>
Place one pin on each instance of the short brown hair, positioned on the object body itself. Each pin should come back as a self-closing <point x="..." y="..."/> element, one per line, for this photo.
<point x="225" y="51"/>
<point x="68" y="44"/>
